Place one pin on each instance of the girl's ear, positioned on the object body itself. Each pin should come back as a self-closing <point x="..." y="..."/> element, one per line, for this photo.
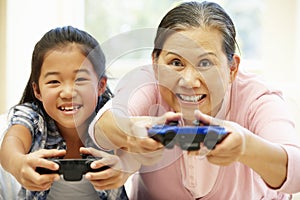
<point x="102" y="85"/>
<point x="36" y="91"/>
<point x="234" y="67"/>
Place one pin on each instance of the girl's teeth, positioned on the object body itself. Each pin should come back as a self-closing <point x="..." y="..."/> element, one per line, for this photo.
<point x="69" y="108"/>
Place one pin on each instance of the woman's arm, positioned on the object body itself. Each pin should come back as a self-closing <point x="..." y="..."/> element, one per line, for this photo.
<point x="129" y="135"/>
<point x="267" y="159"/>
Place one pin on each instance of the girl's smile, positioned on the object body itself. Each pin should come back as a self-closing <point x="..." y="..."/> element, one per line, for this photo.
<point x="68" y="87"/>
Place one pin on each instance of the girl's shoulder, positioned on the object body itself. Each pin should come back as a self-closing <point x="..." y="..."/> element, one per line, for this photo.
<point x="27" y="114"/>
<point x="26" y="110"/>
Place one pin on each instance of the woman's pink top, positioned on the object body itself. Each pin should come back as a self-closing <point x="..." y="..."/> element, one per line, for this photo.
<point x="250" y="103"/>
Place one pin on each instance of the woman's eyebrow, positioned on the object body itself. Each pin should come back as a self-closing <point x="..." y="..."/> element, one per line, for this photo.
<point x="200" y="56"/>
<point x="173" y="53"/>
<point x="207" y="54"/>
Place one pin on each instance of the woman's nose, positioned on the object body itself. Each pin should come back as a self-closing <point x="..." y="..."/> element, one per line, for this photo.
<point x="190" y="78"/>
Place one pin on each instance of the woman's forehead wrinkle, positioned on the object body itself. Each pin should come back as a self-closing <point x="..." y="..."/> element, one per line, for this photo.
<point x="193" y="44"/>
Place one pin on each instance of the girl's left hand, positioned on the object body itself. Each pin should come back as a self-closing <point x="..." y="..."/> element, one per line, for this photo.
<point x="111" y="178"/>
<point x="232" y="147"/>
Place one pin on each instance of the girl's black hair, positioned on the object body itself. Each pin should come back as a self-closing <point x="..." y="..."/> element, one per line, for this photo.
<point x="59" y="38"/>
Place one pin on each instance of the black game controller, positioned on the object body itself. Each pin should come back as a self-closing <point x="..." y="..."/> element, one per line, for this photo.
<point x="187" y="137"/>
<point x="71" y="169"/>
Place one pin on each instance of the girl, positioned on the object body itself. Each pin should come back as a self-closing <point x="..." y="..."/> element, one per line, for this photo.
<point x="67" y="86"/>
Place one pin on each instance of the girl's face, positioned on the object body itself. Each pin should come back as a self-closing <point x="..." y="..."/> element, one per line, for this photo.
<point x="193" y="72"/>
<point x="68" y="87"/>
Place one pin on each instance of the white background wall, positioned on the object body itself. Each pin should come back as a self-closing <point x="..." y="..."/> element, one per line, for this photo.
<point x="26" y="22"/>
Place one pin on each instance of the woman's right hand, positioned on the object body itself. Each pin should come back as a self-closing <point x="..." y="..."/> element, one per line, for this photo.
<point x="25" y="169"/>
<point x="130" y="134"/>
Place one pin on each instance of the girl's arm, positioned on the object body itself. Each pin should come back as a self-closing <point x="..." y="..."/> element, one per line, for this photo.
<point x="16" y="160"/>
<point x="16" y="143"/>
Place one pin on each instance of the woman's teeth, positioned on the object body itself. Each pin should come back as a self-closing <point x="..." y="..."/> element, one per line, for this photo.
<point x="194" y="98"/>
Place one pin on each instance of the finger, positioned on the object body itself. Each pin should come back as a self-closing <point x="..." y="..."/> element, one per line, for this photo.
<point x="84" y="150"/>
<point x="37" y="187"/>
<point x="102" y="175"/>
<point x="41" y="182"/>
<point x="105" y="161"/>
<point x="168" y="117"/>
<point x="206" y="119"/>
<point x="48" y="153"/>
<point x="114" y="180"/>
<point x="104" y="185"/>
<point x="44" y="163"/>
<point x="94" y="152"/>
<point x="150" y="144"/>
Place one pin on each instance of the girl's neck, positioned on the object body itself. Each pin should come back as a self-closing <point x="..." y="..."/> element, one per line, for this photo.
<point x="74" y="138"/>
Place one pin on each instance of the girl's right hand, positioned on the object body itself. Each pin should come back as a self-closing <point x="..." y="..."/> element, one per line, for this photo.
<point x="25" y="169"/>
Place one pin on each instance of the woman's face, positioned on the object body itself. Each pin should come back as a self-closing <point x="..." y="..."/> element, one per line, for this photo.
<point x="193" y="71"/>
<point x="68" y="87"/>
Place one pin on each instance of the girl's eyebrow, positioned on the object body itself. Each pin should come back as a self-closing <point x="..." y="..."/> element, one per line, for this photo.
<point x="50" y="73"/>
<point x="82" y="70"/>
<point x="75" y="72"/>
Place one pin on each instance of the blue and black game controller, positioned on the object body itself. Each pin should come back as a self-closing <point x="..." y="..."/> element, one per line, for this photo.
<point x="187" y="137"/>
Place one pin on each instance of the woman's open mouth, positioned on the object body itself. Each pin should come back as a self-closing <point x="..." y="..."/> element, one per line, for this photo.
<point x="191" y="99"/>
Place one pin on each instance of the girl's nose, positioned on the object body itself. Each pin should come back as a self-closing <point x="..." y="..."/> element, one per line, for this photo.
<point x="190" y="78"/>
<point x="68" y="91"/>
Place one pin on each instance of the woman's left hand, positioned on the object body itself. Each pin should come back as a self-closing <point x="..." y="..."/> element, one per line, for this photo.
<point x="234" y="144"/>
<point x="111" y="178"/>
<point x="249" y="149"/>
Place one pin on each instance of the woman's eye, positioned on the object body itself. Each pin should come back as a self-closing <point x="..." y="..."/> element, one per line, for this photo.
<point x="176" y="62"/>
<point x="205" y="63"/>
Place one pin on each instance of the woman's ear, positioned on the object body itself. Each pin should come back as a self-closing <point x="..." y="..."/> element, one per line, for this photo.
<point x="234" y="67"/>
<point x="36" y="91"/>
<point x="102" y="85"/>
<point x="154" y="65"/>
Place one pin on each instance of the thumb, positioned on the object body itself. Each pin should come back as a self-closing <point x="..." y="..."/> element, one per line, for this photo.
<point x="168" y="117"/>
<point x="203" y="118"/>
<point x="206" y="119"/>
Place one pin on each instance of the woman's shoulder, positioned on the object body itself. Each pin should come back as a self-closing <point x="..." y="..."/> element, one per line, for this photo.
<point x="251" y="86"/>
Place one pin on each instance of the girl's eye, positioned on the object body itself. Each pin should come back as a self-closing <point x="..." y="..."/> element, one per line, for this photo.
<point x="205" y="63"/>
<point x="176" y="62"/>
<point x="80" y="79"/>
<point x="53" y="82"/>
